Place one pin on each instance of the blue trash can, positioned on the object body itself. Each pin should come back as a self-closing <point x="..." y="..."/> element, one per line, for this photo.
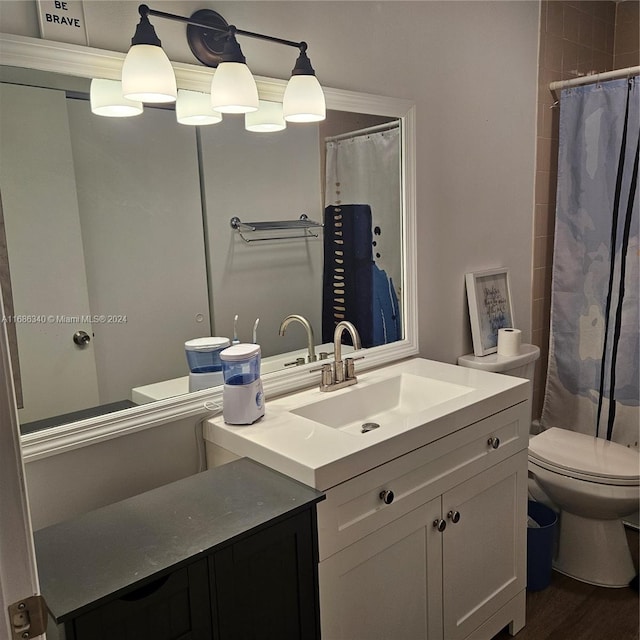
<point x="540" y="545"/>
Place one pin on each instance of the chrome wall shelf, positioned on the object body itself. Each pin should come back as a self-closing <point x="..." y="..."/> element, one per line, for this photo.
<point x="304" y="224"/>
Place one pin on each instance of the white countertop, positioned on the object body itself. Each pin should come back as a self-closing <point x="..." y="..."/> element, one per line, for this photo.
<point x="179" y="386"/>
<point x="322" y="456"/>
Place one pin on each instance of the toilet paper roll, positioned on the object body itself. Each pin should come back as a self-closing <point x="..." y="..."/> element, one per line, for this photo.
<point x="509" y="342"/>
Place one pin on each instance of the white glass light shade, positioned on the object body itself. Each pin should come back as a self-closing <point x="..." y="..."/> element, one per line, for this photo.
<point x="147" y="75"/>
<point x="233" y="89"/>
<point x="304" y="100"/>
<point x="107" y="100"/>
<point x="266" y="119"/>
<point x="194" y="108"/>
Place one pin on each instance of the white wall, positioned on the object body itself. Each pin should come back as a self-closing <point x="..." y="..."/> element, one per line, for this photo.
<point x="246" y="279"/>
<point x="470" y="67"/>
<point x="80" y="480"/>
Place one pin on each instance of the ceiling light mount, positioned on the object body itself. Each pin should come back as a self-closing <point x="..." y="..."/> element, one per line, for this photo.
<point x="207" y="43"/>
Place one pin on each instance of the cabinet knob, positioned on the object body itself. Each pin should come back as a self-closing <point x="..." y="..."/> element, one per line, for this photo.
<point x="454" y="516"/>
<point x="439" y="524"/>
<point x="494" y="443"/>
<point x="387" y="496"/>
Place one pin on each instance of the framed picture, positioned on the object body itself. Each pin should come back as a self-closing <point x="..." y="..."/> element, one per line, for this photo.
<point x="489" y="308"/>
<point x="62" y="21"/>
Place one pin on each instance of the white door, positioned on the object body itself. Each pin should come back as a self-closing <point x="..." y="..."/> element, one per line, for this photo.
<point x="388" y="584"/>
<point x="46" y="256"/>
<point x="18" y="576"/>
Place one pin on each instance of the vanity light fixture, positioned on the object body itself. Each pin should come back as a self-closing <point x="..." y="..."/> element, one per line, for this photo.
<point x="303" y="97"/>
<point x="268" y="118"/>
<point x="233" y="89"/>
<point x="106" y="99"/>
<point x="194" y="108"/>
<point x="147" y="74"/>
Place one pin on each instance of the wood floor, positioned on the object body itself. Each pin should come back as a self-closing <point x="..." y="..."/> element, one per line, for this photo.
<point x="571" y="610"/>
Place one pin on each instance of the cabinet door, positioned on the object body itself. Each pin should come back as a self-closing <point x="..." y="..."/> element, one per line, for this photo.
<point x="484" y="560"/>
<point x="174" y="607"/>
<point x="388" y="584"/>
<point x="266" y="586"/>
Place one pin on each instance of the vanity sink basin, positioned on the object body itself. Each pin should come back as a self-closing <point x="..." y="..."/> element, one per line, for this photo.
<point x="382" y="404"/>
<point x="317" y="438"/>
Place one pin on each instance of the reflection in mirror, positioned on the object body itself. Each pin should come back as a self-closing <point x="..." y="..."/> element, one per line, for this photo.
<point x="120" y="228"/>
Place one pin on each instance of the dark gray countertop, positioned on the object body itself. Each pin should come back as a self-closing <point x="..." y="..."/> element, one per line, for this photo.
<point x="103" y="552"/>
<point x="82" y="414"/>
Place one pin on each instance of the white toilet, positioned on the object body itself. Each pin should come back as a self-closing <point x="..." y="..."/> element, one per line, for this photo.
<point x="592" y="482"/>
<point x="595" y="483"/>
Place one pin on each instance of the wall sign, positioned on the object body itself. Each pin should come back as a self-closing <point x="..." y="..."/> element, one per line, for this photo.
<point x="63" y="21"/>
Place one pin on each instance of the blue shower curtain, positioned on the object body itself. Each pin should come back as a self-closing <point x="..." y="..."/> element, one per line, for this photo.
<point x="592" y="381"/>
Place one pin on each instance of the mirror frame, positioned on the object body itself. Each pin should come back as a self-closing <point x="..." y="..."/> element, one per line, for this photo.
<point x="87" y="62"/>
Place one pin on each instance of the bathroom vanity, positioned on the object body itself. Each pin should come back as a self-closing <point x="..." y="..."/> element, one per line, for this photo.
<point x="222" y="554"/>
<point x="423" y="532"/>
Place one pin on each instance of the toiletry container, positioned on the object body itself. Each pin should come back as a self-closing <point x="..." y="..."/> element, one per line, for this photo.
<point x="203" y="358"/>
<point x="243" y="397"/>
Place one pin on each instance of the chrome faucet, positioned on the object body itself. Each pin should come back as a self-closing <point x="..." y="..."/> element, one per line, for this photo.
<point x="294" y="317"/>
<point x="341" y="374"/>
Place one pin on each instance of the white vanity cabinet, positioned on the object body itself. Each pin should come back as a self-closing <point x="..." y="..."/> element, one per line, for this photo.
<point x="446" y="559"/>
<point x="422" y="534"/>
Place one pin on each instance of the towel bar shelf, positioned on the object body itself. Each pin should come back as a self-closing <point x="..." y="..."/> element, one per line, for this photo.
<point x="304" y="223"/>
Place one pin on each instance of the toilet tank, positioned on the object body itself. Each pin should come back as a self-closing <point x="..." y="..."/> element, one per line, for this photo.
<point x="522" y="366"/>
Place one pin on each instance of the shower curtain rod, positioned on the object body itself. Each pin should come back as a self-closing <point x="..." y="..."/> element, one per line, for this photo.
<point x="387" y="126"/>
<point x="596" y="77"/>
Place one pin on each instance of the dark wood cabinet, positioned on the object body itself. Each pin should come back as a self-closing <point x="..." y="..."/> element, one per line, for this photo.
<point x="231" y="553"/>
<point x="173" y="607"/>
<point x="264" y="586"/>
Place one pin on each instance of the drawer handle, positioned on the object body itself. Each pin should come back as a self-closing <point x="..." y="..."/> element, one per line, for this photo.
<point x="387" y="496"/>
<point x="146" y="590"/>
<point x="440" y="525"/>
<point x="454" y="516"/>
<point x="494" y="443"/>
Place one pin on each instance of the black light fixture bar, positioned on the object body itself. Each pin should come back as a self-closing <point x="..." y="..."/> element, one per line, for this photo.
<point x="145" y="10"/>
<point x="213" y="42"/>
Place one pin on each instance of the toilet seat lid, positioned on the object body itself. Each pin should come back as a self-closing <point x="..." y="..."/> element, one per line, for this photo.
<point x="585" y="456"/>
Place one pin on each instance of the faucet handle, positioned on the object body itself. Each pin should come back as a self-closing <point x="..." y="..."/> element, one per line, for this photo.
<point x="349" y="368"/>
<point x="326" y="379"/>
<point x="297" y="362"/>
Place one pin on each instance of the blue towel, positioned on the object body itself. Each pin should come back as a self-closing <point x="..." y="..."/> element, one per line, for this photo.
<point x="348" y="276"/>
<point x="385" y="309"/>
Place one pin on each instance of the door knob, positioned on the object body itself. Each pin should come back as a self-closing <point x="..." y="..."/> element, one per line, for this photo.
<point x="494" y="443"/>
<point x="81" y="338"/>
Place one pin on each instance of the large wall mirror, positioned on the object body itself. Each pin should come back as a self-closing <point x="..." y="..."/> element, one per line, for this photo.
<point x="119" y="229"/>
